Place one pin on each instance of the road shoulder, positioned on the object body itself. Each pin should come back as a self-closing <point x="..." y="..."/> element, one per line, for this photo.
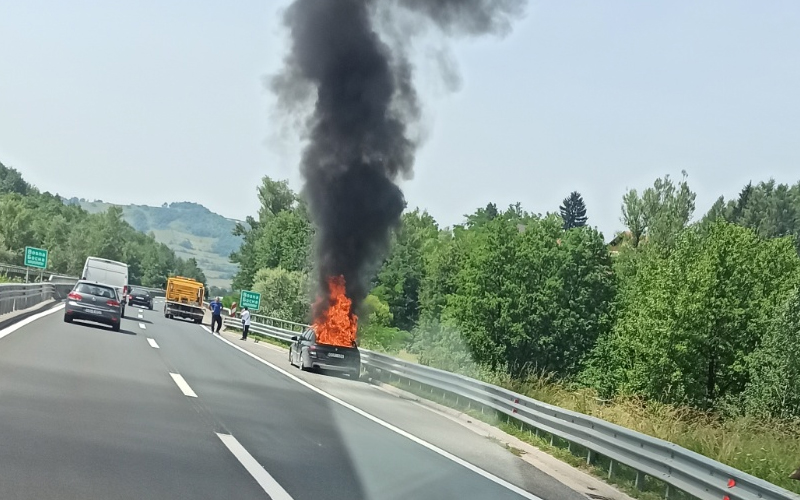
<point x="576" y="480"/>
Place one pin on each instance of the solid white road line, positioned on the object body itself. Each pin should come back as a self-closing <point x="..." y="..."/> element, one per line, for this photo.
<point x="182" y="385"/>
<point x="152" y="343"/>
<point x="259" y="473"/>
<point x="142" y="326"/>
<point x="432" y="447"/>
<point x="16" y="326"/>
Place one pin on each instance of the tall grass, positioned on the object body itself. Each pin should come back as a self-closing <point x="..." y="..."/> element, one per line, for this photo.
<point x="768" y="449"/>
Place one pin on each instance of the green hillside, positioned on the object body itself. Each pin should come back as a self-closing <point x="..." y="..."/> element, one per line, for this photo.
<point x="189" y="229"/>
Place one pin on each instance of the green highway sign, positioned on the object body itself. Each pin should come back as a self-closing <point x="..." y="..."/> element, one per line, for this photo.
<point x="250" y="300"/>
<point x="36" y="257"/>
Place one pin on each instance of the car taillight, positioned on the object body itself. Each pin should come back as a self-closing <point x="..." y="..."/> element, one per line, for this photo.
<point x="312" y="348"/>
<point x="112" y="303"/>
<point x="75" y="296"/>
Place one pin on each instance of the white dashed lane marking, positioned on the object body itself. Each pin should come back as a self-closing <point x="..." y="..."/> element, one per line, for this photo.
<point x="152" y="343"/>
<point x="182" y="385"/>
<point x="259" y="473"/>
<point x="142" y="326"/>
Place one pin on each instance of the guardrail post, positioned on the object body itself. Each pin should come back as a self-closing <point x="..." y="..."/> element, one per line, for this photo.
<point x="639" y="480"/>
<point x="610" y="468"/>
<point x="666" y="492"/>
<point x="590" y="456"/>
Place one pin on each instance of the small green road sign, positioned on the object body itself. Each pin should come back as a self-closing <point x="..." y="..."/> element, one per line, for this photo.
<point x="36" y="257"/>
<point x="250" y="300"/>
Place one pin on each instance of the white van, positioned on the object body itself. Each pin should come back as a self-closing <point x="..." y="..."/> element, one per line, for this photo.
<point x="108" y="272"/>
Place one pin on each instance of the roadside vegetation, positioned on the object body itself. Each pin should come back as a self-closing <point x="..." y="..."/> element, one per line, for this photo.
<point x="29" y="217"/>
<point x="681" y="327"/>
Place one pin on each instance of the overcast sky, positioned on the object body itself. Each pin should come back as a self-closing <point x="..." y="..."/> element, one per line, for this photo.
<point x="154" y="101"/>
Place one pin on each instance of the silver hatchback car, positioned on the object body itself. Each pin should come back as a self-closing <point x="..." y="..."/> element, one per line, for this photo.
<point x="93" y="302"/>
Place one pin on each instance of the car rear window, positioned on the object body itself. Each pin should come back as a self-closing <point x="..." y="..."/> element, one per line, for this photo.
<point x="96" y="290"/>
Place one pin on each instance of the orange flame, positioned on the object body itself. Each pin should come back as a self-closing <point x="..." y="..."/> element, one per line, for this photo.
<point x="337" y="325"/>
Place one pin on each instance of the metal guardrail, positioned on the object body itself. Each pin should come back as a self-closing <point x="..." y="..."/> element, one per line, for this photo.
<point x="17" y="296"/>
<point x="678" y="467"/>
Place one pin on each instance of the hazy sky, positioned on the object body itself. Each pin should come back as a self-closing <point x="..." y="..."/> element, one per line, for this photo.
<point x="150" y="101"/>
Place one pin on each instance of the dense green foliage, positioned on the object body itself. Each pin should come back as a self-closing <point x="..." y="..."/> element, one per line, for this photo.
<point x="672" y="310"/>
<point x="31" y="218"/>
<point x="400" y="278"/>
<point x="687" y="321"/>
<point x="529" y="295"/>
<point x="280" y="237"/>
<point x="284" y="294"/>
<point x="774" y="386"/>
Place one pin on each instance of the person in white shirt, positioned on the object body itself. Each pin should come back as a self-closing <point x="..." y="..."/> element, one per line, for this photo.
<point x="245" y="323"/>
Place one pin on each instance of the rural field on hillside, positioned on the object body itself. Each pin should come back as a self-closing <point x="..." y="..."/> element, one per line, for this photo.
<point x="189" y="229"/>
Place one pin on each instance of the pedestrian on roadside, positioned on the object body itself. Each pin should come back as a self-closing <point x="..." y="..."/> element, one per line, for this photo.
<point x="245" y="323"/>
<point x="216" y="315"/>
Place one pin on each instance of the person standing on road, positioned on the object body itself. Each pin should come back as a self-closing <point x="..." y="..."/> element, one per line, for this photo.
<point x="245" y="323"/>
<point x="216" y="315"/>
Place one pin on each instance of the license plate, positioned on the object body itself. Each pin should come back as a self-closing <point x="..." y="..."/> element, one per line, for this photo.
<point x="335" y="355"/>
<point x="94" y="311"/>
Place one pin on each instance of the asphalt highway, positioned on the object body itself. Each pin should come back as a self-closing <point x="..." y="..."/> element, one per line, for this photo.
<point x="164" y="409"/>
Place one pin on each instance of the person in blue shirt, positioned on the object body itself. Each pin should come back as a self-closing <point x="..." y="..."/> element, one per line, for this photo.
<point x="216" y="315"/>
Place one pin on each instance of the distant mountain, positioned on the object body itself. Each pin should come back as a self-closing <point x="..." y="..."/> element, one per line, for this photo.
<point x="190" y="229"/>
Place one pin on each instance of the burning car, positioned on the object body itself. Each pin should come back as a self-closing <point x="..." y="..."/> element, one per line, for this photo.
<point x="307" y="354"/>
<point x="330" y="342"/>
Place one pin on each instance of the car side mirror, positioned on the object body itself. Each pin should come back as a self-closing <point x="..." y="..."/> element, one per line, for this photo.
<point x="294" y="337"/>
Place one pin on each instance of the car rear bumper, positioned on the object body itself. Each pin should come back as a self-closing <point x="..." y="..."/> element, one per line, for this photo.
<point x="335" y="367"/>
<point x="78" y="312"/>
<point x="135" y="302"/>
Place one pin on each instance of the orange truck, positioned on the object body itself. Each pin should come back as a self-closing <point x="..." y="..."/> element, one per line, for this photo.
<point x="184" y="299"/>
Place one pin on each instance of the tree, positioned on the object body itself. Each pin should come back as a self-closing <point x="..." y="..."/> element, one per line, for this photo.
<point x="284" y="294"/>
<point x="573" y="211"/>
<point x="532" y="298"/>
<point x="482" y="216"/>
<point x="400" y="278"/>
<point x="660" y="214"/>
<point x="687" y="320"/>
<point x="284" y="241"/>
<point x="281" y="237"/>
<point x="441" y="262"/>
<point x="11" y="181"/>
<point x="374" y="326"/>
<point x="633" y="216"/>
<point x="774" y="387"/>
<point x="275" y="197"/>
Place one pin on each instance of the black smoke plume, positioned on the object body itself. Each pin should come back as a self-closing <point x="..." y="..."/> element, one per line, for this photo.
<point x="363" y="106"/>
